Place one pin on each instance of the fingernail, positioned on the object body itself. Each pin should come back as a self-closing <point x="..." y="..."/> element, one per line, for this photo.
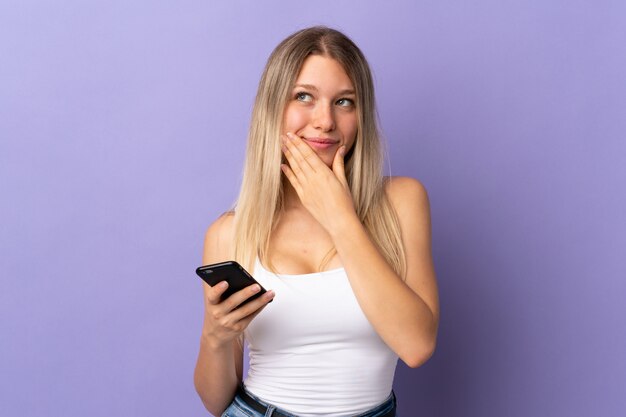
<point x="342" y="151"/>
<point x="269" y="294"/>
<point x="223" y="284"/>
<point x="256" y="288"/>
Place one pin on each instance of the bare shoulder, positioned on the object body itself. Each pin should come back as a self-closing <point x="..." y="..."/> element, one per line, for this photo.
<point x="406" y="195"/>
<point x="218" y="239"/>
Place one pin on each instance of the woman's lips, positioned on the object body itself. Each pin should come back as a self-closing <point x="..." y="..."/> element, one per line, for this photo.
<point x="321" y="143"/>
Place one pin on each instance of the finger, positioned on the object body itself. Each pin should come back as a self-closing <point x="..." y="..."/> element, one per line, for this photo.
<point x="293" y="179"/>
<point x="232" y="302"/>
<point x="246" y="320"/>
<point x="252" y="308"/>
<point x="214" y="293"/>
<point x="303" y="150"/>
<point x="294" y="163"/>
<point x="303" y="153"/>
<point x="338" y="165"/>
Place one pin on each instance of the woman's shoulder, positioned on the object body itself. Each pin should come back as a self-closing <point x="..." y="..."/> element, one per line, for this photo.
<point x="405" y="191"/>
<point x="218" y="238"/>
<point x="408" y="197"/>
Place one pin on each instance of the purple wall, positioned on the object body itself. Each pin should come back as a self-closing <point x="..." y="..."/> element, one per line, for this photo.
<point x="122" y="129"/>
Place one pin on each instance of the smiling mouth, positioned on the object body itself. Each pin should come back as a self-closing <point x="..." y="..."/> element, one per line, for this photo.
<point x="322" y="141"/>
<point x="321" y="144"/>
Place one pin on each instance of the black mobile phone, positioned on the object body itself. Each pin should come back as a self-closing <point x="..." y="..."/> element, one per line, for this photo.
<point x="231" y="272"/>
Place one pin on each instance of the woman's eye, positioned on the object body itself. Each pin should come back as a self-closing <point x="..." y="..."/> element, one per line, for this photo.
<point x="345" y="102"/>
<point x="303" y="96"/>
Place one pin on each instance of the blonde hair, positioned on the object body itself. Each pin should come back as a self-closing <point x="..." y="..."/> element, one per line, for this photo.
<point x="260" y="200"/>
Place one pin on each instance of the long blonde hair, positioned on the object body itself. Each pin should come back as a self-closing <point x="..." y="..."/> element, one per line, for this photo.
<point x="260" y="201"/>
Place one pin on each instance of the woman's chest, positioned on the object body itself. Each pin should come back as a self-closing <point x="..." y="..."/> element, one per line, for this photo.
<point x="301" y="248"/>
<point x="313" y="308"/>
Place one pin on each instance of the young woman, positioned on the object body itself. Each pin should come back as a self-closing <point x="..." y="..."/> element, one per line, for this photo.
<point x="344" y="252"/>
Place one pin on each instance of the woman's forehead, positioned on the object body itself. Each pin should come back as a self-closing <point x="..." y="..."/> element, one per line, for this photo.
<point x="323" y="72"/>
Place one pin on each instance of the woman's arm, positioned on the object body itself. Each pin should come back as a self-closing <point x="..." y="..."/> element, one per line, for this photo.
<point x="404" y="313"/>
<point x="217" y="374"/>
<point x="219" y="367"/>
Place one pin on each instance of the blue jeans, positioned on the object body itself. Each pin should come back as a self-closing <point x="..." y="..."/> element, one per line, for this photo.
<point x="238" y="408"/>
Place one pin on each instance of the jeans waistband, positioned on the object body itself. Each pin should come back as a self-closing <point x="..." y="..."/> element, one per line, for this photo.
<point x="385" y="409"/>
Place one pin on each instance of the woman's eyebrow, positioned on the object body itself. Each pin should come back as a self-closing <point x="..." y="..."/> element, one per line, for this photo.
<point x="307" y="86"/>
<point x="346" y="91"/>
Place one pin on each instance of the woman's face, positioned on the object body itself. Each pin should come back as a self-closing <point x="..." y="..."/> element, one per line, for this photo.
<point x="322" y="107"/>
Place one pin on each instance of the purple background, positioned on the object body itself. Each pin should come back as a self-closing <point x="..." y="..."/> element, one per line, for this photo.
<point x="122" y="135"/>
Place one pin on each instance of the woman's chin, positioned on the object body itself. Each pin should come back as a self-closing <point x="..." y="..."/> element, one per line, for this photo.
<point x="326" y="160"/>
<point x="326" y="155"/>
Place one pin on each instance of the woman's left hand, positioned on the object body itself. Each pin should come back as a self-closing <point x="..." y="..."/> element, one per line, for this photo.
<point x="324" y="192"/>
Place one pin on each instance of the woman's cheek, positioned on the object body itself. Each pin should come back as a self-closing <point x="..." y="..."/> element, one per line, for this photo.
<point x="295" y="119"/>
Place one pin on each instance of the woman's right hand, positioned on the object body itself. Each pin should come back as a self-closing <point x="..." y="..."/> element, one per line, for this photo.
<point x="223" y="321"/>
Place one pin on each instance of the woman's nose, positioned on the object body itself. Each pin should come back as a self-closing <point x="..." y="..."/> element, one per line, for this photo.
<point x="323" y="117"/>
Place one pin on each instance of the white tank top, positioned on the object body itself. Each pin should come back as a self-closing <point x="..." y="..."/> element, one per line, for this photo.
<point x="312" y="351"/>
